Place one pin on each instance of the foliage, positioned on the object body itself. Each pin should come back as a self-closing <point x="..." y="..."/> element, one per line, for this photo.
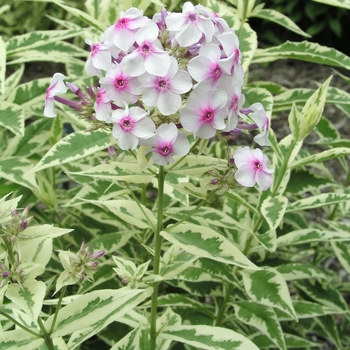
<point x="183" y="261"/>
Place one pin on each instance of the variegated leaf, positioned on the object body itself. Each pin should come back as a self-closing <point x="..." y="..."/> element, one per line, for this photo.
<point x="16" y="169"/>
<point x="6" y="207"/>
<point x="13" y="80"/>
<point x="253" y="95"/>
<point x="339" y="3"/>
<point x="305" y="51"/>
<point x="248" y="43"/>
<point x="130" y="342"/>
<point x="342" y="251"/>
<point x="118" y="171"/>
<point x="206" y="337"/>
<point x="207" y="243"/>
<point x="111" y="242"/>
<point x="134" y="214"/>
<point x="19" y="339"/>
<point x="279" y="18"/>
<point x="322" y="292"/>
<point x="12" y="117"/>
<point x="44" y="231"/>
<point x="330" y="329"/>
<point x="308" y="309"/>
<point x="321" y="200"/>
<point x="263" y="318"/>
<point x="28" y="296"/>
<point x="321" y="157"/>
<point x="2" y="67"/>
<point x="73" y="147"/>
<point x="294" y="271"/>
<point x="33" y="40"/>
<point x="273" y="209"/>
<point x="239" y="199"/>
<point x="309" y="235"/>
<point x="268" y="287"/>
<point x="94" y="311"/>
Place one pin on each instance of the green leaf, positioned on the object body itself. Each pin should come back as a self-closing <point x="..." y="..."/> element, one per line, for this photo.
<point x="279" y="18"/>
<point x="339" y="3"/>
<point x="111" y="242"/>
<point x="73" y="147"/>
<point x="94" y="311"/>
<point x="342" y="251"/>
<point x="12" y="117"/>
<point x="263" y="318"/>
<point x="43" y="231"/>
<point x="273" y="209"/>
<point x="16" y="169"/>
<point x="307" y="309"/>
<point x="13" y="80"/>
<point x="19" y="339"/>
<point x="28" y="296"/>
<point x="2" y="67"/>
<point x="305" y="51"/>
<point x="330" y="329"/>
<point x="253" y="95"/>
<point x="248" y="43"/>
<point x="6" y="208"/>
<point x="268" y="287"/>
<point x="207" y="243"/>
<point x="295" y="271"/>
<point x="206" y="337"/>
<point x="311" y="235"/>
<point x="324" y="199"/>
<point x="130" y="342"/>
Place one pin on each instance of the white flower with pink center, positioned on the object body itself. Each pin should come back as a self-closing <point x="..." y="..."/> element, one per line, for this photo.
<point x="149" y="56"/>
<point x="189" y="26"/>
<point x="205" y="112"/>
<point x="252" y="168"/>
<point x="166" y="143"/>
<point x="99" y="58"/>
<point x="165" y="92"/>
<point x="120" y="87"/>
<point x="56" y="87"/>
<point x="131" y="125"/>
<point x="205" y="67"/>
<point x="260" y="118"/>
<point x="102" y="105"/>
<point x="122" y="33"/>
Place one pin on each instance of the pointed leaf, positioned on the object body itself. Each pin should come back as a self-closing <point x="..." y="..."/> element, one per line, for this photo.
<point x="19" y="339"/>
<point x="207" y="243"/>
<point x="130" y="342"/>
<point x="12" y="117"/>
<point x="2" y="66"/>
<point x="273" y="209"/>
<point x="74" y="147"/>
<point x="206" y="337"/>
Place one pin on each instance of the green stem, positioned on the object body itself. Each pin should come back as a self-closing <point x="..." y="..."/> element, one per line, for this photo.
<point x="63" y="292"/>
<point x="227" y="290"/>
<point x="20" y="324"/>
<point x="157" y="253"/>
<point x="9" y="251"/>
<point x="48" y="339"/>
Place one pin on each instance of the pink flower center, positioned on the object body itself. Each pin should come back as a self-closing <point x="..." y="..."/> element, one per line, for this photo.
<point x="257" y="165"/>
<point x="208" y="115"/>
<point x="94" y="49"/>
<point x="127" y="124"/>
<point x="234" y="103"/>
<point x="162" y="84"/>
<point x="192" y="17"/>
<point x="120" y="83"/>
<point x="165" y="149"/>
<point x="121" y="23"/>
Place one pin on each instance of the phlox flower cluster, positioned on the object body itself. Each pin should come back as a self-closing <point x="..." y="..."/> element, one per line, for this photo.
<point x="165" y="78"/>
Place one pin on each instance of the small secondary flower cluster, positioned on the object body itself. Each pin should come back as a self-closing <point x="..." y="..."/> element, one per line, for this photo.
<point x="158" y="76"/>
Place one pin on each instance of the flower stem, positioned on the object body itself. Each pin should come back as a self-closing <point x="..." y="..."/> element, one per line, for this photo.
<point x="63" y="292"/>
<point x="156" y="264"/>
<point x="48" y="339"/>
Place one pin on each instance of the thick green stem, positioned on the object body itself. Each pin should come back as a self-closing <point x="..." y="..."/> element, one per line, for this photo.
<point x="48" y="339"/>
<point x="20" y="324"/>
<point x="157" y="253"/>
<point x="63" y="292"/>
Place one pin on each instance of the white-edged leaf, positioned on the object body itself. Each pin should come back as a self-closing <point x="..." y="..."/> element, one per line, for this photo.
<point x="273" y="209"/>
<point x="305" y="51"/>
<point x="130" y="342"/>
<point x="207" y="243"/>
<point x="294" y="271"/>
<point x="2" y="66"/>
<point x="19" y="339"/>
<point x="279" y="18"/>
<point x="320" y="200"/>
<point x="308" y="309"/>
<point x="43" y="231"/>
<point x="206" y="337"/>
<point x="342" y="251"/>
<point x="268" y="287"/>
<point x="339" y="3"/>
<point x="263" y="318"/>
<point x="28" y="296"/>
<point x="7" y="206"/>
<point x="12" y="117"/>
<point x="73" y="147"/>
<point x="248" y="43"/>
<point x="95" y="310"/>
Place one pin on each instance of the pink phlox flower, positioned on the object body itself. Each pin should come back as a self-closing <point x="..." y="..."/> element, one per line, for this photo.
<point x="252" y="168"/>
<point x="205" y="112"/>
<point x="100" y="58"/>
<point x="122" y="33"/>
<point x="159" y="20"/>
<point x="189" y="26"/>
<point x="120" y="86"/>
<point x="131" y="125"/>
<point x="165" y="92"/>
<point x="102" y="105"/>
<point x="149" y="56"/>
<point x="56" y="87"/>
<point x="260" y="118"/>
<point x="232" y="63"/>
<point x="221" y="25"/>
<point x="206" y="67"/>
<point x="166" y="143"/>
